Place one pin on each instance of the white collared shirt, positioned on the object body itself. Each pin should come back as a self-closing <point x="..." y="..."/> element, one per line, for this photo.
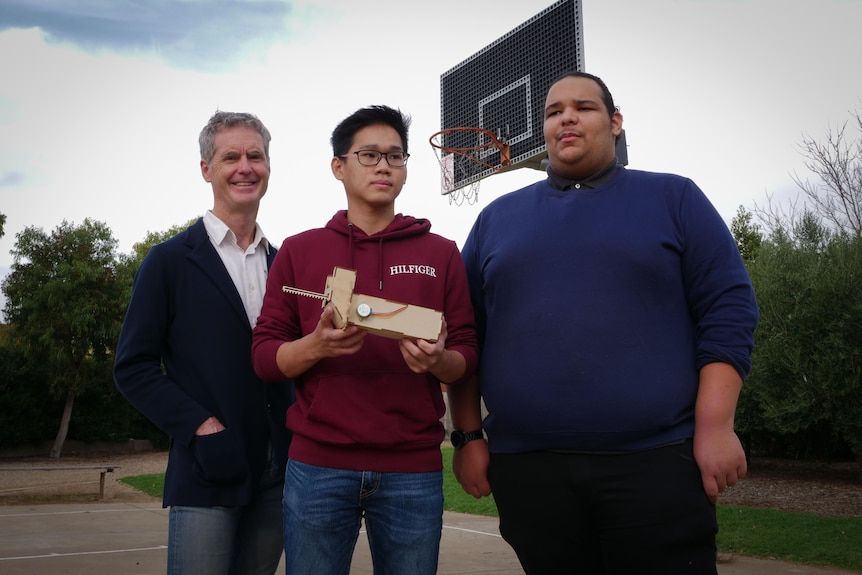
<point x="247" y="268"/>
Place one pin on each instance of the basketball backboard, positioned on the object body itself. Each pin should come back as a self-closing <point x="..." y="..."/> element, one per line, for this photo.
<point x="501" y="89"/>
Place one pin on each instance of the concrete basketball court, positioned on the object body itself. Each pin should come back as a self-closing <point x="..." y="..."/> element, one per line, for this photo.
<point x="131" y="538"/>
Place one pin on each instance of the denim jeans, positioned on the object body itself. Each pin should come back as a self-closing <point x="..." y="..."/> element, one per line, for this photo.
<point x="324" y="507"/>
<point x="243" y="540"/>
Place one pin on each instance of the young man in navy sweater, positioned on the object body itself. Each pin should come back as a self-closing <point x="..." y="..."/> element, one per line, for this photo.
<point x="616" y="323"/>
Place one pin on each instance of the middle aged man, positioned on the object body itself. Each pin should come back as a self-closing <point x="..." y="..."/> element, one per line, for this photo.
<point x="194" y="303"/>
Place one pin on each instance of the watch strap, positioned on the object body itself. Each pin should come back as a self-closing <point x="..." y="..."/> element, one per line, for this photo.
<point x="464" y="437"/>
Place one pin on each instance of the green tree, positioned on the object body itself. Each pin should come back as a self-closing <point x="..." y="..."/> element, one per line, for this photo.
<point x="24" y="396"/>
<point x="2" y="225"/>
<point x="128" y="264"/>
<point x="806" y="382"/>
<point x="142" y="248"/>
<point x="140" y="426"/>
<point x="65" y="304"/>
<point x="807" y="376"/>
<point x="747" y="234"/>
<point x="749" y="417"/>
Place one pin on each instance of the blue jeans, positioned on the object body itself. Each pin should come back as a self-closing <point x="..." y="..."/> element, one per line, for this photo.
<point x="228" y="540"/>
<point x="324" y="507"/>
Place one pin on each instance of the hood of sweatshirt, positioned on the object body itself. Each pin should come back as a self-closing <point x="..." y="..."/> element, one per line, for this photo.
<point x="400" y="227"/>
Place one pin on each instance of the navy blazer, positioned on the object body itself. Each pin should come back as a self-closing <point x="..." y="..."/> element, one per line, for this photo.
<point x="184" y="354"/>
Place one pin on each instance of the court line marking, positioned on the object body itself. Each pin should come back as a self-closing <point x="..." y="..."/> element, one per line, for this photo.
<point x="83" y="511"/>
<point x="157" y="548"/>
<point x="51" y="555"/>
<point x="464" y="529"/>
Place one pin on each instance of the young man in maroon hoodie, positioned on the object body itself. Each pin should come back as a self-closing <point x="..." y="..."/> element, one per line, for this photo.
<point x="366" y="423"/>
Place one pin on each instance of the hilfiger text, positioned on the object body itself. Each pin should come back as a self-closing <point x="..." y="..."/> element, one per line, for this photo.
<point x="412" y="269"/>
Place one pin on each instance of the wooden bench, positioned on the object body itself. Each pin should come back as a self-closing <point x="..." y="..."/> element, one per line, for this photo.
<point x="106" y="475"/>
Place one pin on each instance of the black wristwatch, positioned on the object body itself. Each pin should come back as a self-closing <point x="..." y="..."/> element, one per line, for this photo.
<point x="461" y="438"/>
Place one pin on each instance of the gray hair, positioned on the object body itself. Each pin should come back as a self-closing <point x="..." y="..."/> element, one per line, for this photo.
<point x="221" y="120"/>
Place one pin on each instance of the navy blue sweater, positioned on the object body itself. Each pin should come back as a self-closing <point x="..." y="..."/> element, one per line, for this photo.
<point x="597" y="308"/>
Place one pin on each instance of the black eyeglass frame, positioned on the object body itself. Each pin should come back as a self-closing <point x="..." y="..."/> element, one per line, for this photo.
<point x="380" y="156"/>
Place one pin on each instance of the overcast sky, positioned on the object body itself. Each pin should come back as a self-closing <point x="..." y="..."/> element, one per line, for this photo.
<point x="101" y="102"/>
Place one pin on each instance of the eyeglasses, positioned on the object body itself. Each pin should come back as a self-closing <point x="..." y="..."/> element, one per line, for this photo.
<point x="372" y="158"/>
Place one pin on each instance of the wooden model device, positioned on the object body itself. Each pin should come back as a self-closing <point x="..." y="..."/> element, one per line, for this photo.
<point x="380" y="316"/>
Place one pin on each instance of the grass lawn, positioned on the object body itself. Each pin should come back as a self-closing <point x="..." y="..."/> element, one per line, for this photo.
<point x="754" y="532"/>
<point x="152" y="484"/>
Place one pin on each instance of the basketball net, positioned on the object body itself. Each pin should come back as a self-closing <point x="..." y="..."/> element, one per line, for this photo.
<point x="465" y="164"/>
<point x="457" y="196"/>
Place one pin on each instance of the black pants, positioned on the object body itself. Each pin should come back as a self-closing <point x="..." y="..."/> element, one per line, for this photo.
<point x="642" y="513"/>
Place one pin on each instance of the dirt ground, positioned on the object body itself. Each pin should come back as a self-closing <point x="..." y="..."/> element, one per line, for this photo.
<point x="830" y="489"/>
<point x="26" y="486"/>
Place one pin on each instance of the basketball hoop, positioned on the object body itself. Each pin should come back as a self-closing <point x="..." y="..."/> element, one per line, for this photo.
<point x="462" y="166"/>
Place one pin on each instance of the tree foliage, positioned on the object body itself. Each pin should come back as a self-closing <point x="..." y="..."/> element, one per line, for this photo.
<point x="805" y="388"/>
<point x="142" y="248"/>
<point x="65" y="303"/>
<point x="807" y="374"/>
<point x="25" y="416"/>
<point x="747" y="234"/>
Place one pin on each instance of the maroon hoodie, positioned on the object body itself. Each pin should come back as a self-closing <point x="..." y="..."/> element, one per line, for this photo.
<point x="367" y="411"/>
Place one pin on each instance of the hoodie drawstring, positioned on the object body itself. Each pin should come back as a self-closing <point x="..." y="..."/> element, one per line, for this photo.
<point x="350" y="244"/>
<point x="380" y="264"/>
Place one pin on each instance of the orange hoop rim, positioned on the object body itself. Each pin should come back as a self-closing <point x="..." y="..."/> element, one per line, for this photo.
<point x="492" y="139"/>
<point x="503" y="147"/>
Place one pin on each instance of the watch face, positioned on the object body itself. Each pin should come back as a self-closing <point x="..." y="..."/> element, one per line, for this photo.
<point x="457" y="438"/>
